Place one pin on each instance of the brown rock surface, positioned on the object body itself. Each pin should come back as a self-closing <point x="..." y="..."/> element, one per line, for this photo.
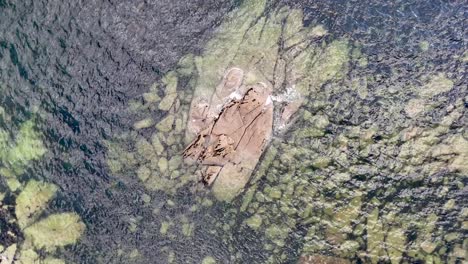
<point x="203" y="110"/>
<point x="230" y="144"/>
<point x="236" y="137"/>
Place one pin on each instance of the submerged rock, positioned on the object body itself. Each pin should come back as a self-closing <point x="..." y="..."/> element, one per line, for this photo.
<point x="145" y="123"/>
<point x="16" y="154"/>
<point x="57" y="230"/>
<point x="23" y="234"/>
<point x="209" y="260"/>
<point x="428" y="246"/>
<point x="219" y="117"/>
<point x="272" y="58"/>
<point x="254" y="222"/>
<point x="230" y="144"/>
<point x="32" y="201"/>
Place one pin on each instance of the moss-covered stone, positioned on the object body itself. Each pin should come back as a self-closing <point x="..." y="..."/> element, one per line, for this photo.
<point x="13" y="183"/>
<point x="322" y="259"/>
<point x="115" y="166"/>
<point x="146" y="198"/>
<point x="145" y="149"/>
<point x="134" y="253"/>
<point x="186" y="66"/>
<point x="207" y="203"/>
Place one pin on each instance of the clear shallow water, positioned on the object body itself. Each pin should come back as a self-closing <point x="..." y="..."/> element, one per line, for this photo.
<point x="78" y="64"/>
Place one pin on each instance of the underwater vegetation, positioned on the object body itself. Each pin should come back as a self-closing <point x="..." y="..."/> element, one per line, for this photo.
<point x="345" y="189"/>
<point x="346" y="180"/>
<point x="256" y="49"/>
<point x="29" y="235"/>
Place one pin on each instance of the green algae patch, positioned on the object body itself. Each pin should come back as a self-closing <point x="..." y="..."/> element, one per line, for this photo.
<point x="32" y="201"/>
<point x="55" y="231"/>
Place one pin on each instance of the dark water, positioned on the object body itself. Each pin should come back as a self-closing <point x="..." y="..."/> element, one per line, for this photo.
<point x="80" y="62"/>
